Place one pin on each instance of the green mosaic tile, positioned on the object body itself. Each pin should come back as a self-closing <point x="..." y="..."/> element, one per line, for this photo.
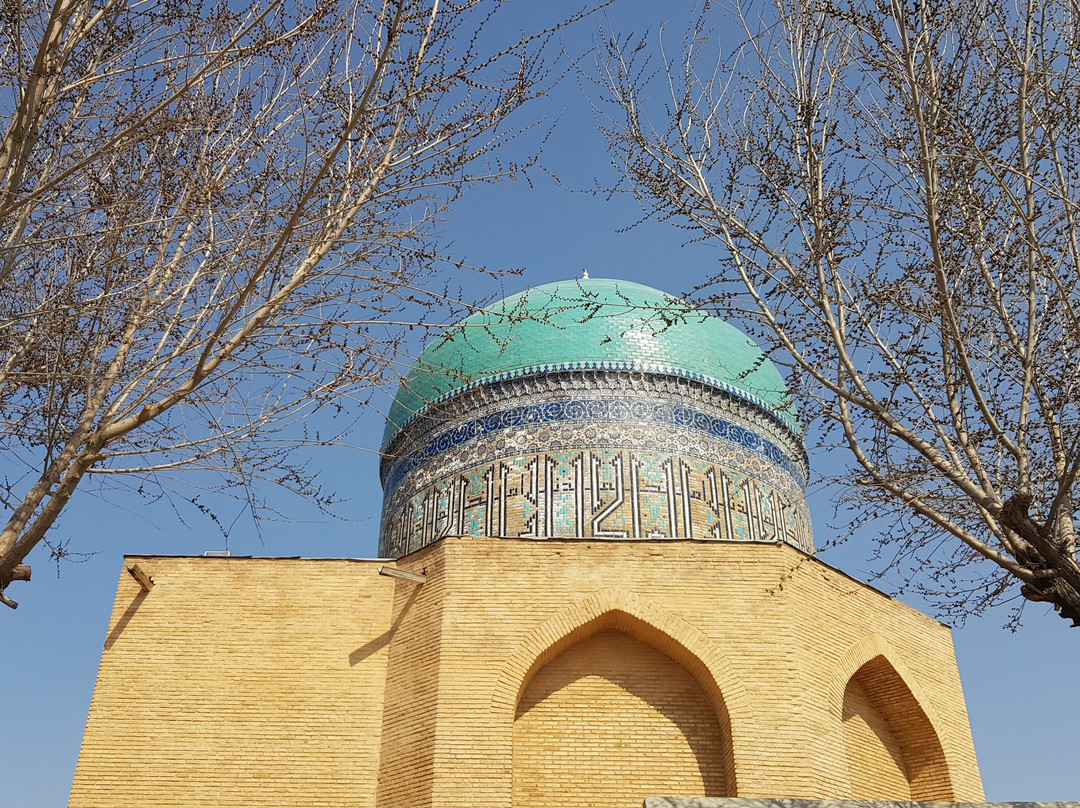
<point x="594" y="320"/>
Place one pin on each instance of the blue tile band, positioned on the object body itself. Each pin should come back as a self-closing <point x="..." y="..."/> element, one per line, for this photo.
<point x="594" y="410"/>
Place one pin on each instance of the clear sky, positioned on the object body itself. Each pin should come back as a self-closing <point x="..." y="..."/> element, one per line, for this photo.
<point x="1020" y="687"/>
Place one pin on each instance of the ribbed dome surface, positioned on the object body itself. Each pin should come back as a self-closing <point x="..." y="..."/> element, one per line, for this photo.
<point x="579" y="324"/>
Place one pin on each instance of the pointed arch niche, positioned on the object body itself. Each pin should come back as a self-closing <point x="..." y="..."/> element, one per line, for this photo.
<point x="619" y="708"/>
<point x="893" y="751"/>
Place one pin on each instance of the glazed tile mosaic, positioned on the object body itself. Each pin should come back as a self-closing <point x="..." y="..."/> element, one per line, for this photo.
<point x="539" y="438"/>
<point x="501" y="444"/>
<point x="596" y="493"/>
<point x="591" y="412"/>
<point x="556" y="456"/>
<point x="590" y="323"/>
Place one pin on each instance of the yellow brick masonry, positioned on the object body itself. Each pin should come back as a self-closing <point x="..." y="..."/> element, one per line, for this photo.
<point x="239" y="682"/>
<point x="605" y="701"/>
<point x="874" y="754"/>
<point x="785" y="625"/>
<point x="260" y="682"/>
<point x="409" y="729"/>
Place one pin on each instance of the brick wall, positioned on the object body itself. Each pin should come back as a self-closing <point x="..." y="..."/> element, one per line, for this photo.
<point x="261" y="682"/>
<point x="239" y="682"/>
<point x="778" y="635"/>
<point x="406" y="775"/>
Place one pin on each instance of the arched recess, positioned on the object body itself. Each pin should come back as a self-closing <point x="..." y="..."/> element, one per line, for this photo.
<point x="892" y="749"/>
<point x="618" y="620"/>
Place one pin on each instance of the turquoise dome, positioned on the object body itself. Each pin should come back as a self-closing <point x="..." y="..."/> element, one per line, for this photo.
<point x="589" y="323"/>
<point x="598" y="409"/>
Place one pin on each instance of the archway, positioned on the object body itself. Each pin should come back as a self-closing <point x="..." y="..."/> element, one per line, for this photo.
<point x="612" y="719"/>
<point x="892" y="749"/>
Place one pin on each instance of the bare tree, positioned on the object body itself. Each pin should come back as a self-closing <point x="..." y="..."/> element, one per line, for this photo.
<point x="211" y="219"/>
<point x="893" y="187"/>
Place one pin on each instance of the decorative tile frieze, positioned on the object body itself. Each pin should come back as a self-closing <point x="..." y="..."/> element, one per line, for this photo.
<point x="592" y="411"/>
<point x="603" y="493"/>
<point x="595" y="453"/>
<point x="622" y="397"/>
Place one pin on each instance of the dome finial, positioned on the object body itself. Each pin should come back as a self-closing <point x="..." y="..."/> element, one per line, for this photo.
<point x="585" y="274"/>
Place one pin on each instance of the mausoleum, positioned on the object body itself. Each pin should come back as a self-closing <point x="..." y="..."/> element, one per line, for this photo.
<point x="597" y="585"/>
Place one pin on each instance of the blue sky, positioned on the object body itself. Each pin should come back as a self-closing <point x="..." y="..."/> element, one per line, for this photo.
<point x="1020" y="686"/>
